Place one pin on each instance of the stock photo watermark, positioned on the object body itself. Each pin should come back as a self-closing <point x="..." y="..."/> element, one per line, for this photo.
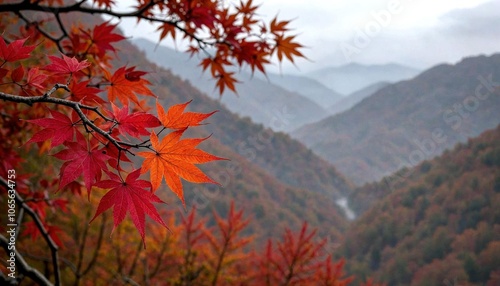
<point x="11" y="223"/>
<point x="460" y="111"/>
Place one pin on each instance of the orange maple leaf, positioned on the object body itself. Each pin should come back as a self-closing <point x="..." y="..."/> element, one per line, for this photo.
<point x="123" y="88"/>
<point x="176" y="118"/>
<point x="173" y="159"/>
<point x="286" y="46"/>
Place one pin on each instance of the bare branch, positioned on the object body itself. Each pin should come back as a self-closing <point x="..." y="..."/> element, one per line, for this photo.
<point x="23" y="266"/>
<point x="50" y="242"/>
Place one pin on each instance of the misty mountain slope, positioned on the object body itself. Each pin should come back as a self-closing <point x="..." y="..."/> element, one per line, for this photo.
<point x="305" y="86"/>
<point x="407" y="122"/>
<point x="440" y="222"/>
<point x="259" y="99"/>
<point x="265" y="175"/>
<point x="352" y="99"/>
<point x="349" y="78"/>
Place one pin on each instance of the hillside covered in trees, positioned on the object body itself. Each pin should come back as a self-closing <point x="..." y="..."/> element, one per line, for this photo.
<point x="436" y="223"/>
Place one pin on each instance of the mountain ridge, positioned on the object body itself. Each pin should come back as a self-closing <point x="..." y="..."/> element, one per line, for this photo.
<point x="352" y="99"/>
<point x="398" y="125"/>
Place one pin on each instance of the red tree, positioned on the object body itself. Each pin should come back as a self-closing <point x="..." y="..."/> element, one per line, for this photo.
<point x="62" y="94"/>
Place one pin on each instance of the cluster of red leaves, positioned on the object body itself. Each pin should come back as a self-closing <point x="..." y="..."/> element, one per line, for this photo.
<point x="92" y="135"/>
<point x="238" y="36"/>
<point x="87" y="153"/>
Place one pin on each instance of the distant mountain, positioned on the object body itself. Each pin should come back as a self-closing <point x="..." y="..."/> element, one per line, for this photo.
<point x="307" y="87"/>
<point x="407" y="122"/>
<point x="355" y="97"/>
<point x="349" y="78"/>
<point x="437" y="225"/>
<point x="259" y="99"/>
<point x="273" y="178"/>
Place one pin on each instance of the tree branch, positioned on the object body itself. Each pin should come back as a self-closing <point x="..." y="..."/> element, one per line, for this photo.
<point x="77" y="106"/>
<point x="79" y="7"/>
<point x="24" y="267"/>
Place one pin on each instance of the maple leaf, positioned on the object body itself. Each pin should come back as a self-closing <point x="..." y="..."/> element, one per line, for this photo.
<point x="59" y="129"/>
<point x="81" y="92"/>
<point x="14" y="51"/>
<point x="124" y="89"/>
<point x="17" y="74"/>
<point x="81" y="158"/>
<point x="129" y="196"/>
<point x="254" y="53"/>
<point x="278" y="26"/>
<point x="176" y="118"/>
<point x="134" y="124"/>
<point x="226" y="79"/>
<point x="174" y="159"/>
<point x="35" y="78"/>
<point x="102" y="36"/>
<point x="285" y="46"/>
<point x="66" y="65"/>
<point x="217" y="69"/>
<point x="247" y="7"/>
<point x="167" y="29"/>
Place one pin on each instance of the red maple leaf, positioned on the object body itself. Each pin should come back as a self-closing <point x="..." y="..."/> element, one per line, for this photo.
<point x="130" y="196"/>
<point x="81" y="92"/>
<point x="66" y="65"/>
<point x="102" y="36"/>
<point x="59" y="129"/>
<point x="14" y="51"/>
<point x="81" y="159"/>
<point x="35" y="79"/>
<point x="176" y="118"/>
<point x="17" y="74"/>
<point x="174" y="159"/>
<point x="134" y="124"/>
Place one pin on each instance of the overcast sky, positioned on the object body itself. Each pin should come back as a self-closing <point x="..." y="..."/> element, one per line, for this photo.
<point x="415" y="33"/>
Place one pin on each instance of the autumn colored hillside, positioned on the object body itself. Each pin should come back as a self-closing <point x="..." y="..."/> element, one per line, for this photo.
<point x="410" y="121"/>
<point x="435" y="224"/>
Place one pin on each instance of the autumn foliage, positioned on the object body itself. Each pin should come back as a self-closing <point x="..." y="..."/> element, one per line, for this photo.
<point x="98" y="136"/>
<point x="66" y="103"/>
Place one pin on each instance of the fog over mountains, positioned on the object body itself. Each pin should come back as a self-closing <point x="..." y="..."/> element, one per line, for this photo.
<point x="409" y="121"/>
<point x="373" y="131"/>
<point x="352" y="99"/>
<point x="352" y="77"/>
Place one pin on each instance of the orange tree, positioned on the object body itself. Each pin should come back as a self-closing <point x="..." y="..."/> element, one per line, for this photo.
<point x="61" y="93"/>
